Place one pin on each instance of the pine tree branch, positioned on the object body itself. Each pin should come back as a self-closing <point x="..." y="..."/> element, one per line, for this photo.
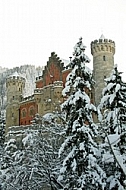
<point x="113" y="151"/>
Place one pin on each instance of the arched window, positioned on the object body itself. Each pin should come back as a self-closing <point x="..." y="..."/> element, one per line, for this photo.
<point x="23" y="112"/>
<point x="106" y="48"/>
<point x="102" y="48"/>
<point x="31" y="111"/>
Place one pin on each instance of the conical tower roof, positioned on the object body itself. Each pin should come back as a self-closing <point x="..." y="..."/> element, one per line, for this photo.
<point x="102" y="37"/>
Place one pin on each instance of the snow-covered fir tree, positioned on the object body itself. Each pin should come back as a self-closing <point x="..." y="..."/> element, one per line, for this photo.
<point x="113" y="107"/>
<point x="7" y="167"/>
<point x="80" y="169"/>
<point x="35" y="164"/>
<point x="2" y="138"/>
<point x="2" y="128"/>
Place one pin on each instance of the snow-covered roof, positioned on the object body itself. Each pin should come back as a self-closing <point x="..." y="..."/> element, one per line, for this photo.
<point x="66" y="62"/>
<point x="15" y="74"/>
<point x="102" y="37"/>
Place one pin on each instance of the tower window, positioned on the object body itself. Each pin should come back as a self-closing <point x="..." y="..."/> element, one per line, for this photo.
<point x="102" y="47"/>
<point x="104" y="58"/>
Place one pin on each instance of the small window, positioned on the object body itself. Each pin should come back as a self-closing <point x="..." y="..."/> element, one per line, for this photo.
<point x="31" y="111"/>
<point x="24" y="112"/>
<point x="13" y="97"/>
<point x="104" y="59"/>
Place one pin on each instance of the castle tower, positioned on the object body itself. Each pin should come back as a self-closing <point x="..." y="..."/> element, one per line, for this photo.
<point x="103" y="51"/>
<point x="15" y="85"/>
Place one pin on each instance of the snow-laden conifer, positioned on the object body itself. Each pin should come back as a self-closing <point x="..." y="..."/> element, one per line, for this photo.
<point x="113" y="107"/>
<point x="114" y="102"/>
<point x="34" y="165"/>
<point x="80" y="169"/>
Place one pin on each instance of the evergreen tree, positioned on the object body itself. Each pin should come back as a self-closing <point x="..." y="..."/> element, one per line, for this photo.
<point x="7" y="168"/>
<point x="35" y="164"/>
<point x="113" y="106"/>
<point x="2" y="128"/>
<point x="80" y="168"/>
<point x="2" y="138"/>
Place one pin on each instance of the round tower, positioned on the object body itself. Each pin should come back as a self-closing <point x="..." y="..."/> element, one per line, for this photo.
<point x="15" y="85"/>
<point x="103" y="51"/>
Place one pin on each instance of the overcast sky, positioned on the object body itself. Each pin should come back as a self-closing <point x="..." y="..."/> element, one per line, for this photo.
<point x="31" y="29"/>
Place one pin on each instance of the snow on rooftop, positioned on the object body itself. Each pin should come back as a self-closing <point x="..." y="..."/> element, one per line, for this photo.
<point x="15" y="74"/>
<point x="102" y="37"/>
<point x="66" y="62"/>
<point x="48" y="116"/>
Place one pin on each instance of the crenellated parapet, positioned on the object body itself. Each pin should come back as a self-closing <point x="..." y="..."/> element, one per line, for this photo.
<point x="102" y="45"/>
<point x="28" y="98"/>
<point x="11" y="80"/>
<point x="58" y="84"/>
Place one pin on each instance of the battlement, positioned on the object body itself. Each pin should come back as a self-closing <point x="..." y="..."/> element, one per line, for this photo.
<point x="28" y="98"/>
<point x="15" y="79"/>
<point x="102" y="41"/>
<point x="39" y="78"/>
<point x="103" y="45"/>
<point x="37" y="91"/>
<point x="58" y="83"/>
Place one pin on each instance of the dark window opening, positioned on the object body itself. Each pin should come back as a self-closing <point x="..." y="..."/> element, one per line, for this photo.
<point x="104" y="59"/>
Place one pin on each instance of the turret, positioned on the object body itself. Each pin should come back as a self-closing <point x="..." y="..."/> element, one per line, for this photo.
<point x="103" y="51"/>
<point x="15" y="85"/>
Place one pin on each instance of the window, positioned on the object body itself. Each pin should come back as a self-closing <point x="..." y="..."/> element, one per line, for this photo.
<point x="102" y="47"/>
<point x="104" y="58"/>
<point x="31" y="111"/>
<point x="24" y="112"/>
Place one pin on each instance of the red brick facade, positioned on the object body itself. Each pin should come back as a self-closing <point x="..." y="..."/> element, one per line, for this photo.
<point x="53" y="72"/>
<point x="27" y="112"/>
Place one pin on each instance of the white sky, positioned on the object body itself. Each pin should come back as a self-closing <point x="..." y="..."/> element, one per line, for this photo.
<point x="32" y="29"/>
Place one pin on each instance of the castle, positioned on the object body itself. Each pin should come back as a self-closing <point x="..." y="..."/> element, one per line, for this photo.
<point x="47" y="95"/>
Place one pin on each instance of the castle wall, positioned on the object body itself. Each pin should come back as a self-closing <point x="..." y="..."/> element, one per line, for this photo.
<point x="28" y="109"/>
<point x="39" y="82"/>
<point x="15" y="85"/>
<point x="48" y="93"/>
<point x="53" y="70"/>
